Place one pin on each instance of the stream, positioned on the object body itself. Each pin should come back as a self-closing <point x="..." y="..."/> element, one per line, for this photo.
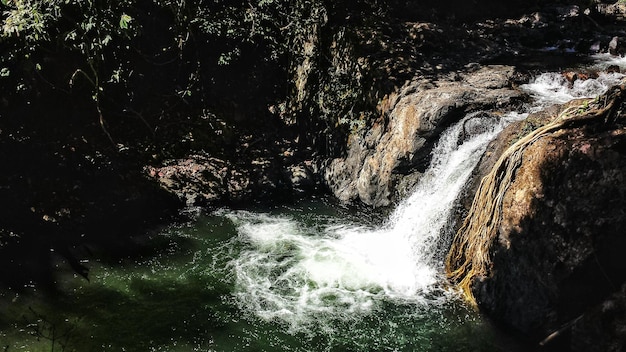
<point x="310" y="276"/>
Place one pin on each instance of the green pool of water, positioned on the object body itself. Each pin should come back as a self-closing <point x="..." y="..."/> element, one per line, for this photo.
<point x="187" y="296"/>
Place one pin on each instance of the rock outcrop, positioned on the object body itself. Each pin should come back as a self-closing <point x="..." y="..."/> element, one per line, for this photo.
<point x="367" y="101"/>
<point x="399" y="142"/>
<point x="541" y="249"/>
<point x="203" y="180"/>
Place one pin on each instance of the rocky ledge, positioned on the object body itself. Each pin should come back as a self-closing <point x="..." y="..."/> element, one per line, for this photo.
<point x="395" y="150"/>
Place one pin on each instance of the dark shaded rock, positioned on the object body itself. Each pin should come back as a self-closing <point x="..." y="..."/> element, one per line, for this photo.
<point x="468" y="10"/>
<point x="613" y="69"/>
<point x="203" y="180"/>
<point x="62" y="203"/>
<point x="603" y="327"/>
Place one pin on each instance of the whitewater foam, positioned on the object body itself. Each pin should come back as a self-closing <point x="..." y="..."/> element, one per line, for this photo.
<point x="553" y="88"/>
<point x="290" y="271"/>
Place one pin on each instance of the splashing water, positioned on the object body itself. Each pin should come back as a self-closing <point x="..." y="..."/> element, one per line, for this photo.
<point x="299" y="274"/>
<point x="604" y="60"/>
<point x="552" y="88"/>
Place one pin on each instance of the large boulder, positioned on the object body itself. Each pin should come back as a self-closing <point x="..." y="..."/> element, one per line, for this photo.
<point x="400" y="141"/>
<point x="541" y="250"/>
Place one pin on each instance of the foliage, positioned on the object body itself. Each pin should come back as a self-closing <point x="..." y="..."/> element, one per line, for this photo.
<point x="149" y="71"/>
<point x="110" y="47"/>
<point x="90" y="27"/>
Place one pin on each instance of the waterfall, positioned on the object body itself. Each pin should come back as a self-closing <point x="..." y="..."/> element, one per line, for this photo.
<point x="302" y="274"/>
<point x="294" y="272"/>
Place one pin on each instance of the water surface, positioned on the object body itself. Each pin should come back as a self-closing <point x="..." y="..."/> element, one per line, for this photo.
<point x="191" y="297"/>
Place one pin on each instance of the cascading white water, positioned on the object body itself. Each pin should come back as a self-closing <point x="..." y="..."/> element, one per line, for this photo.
<point x="552" y="88"/>
<point x="604" y="60"/>
<point x="299" y="273"/>
<point x="294" y="272"/>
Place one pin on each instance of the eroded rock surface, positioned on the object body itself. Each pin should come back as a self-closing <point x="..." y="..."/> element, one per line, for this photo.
<point x="399" y="142"/>
<point x="615" y="10"/>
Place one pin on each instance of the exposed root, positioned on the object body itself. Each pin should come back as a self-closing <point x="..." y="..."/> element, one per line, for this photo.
<point x="470" y="255"/>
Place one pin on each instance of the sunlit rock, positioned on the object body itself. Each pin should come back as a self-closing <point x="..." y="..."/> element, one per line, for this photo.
<point x="411" y="119"/>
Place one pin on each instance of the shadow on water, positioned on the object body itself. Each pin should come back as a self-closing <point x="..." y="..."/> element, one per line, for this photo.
<point x="129" y="312"/>
<point x="150" y="314"/>
<point x="136" y="304"/>
<point x="99" y="318"/>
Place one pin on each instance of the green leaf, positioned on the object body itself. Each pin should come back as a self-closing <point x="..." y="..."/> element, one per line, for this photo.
<point x="5" y="2"/>
<point x="125" y="20"/>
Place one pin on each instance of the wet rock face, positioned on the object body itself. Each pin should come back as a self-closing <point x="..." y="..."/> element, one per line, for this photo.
<point x="399" y="142"/>
<point x="558" y="258"/>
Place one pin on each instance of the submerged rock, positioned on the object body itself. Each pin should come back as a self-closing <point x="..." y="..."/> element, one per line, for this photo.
<point x="399" y="142"/>
<point x="541" y="249"/>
